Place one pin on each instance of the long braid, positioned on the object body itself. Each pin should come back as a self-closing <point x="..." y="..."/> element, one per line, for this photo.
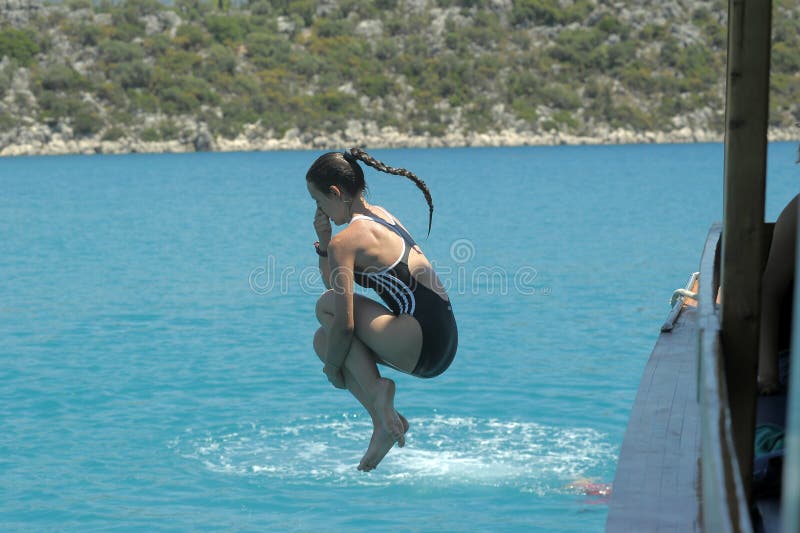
<point x="361" y="155"/>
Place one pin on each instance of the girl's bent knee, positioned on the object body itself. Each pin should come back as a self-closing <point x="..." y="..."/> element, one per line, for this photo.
<point x="324" y="308"/>
<point x="320" y="342"/>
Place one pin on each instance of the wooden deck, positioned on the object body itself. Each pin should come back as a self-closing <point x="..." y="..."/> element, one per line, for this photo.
<point x="657" y="484"/>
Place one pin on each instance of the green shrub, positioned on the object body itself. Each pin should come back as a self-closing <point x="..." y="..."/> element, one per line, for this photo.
<point x="54" y="106"/>
<point x="112" y="51"/>
<point x="197" y="87"/>
<point x="193" y="10"/>
<point x="5" y="81"/>
<point x="142" y="100"/>
<point x="303" y="9"/>
<point x="306" y="65"/>
<point x="176" y="61"/>
<point x="127" y="23"/>
<point x="577" y="46"/>
<point x="359" y="9"/>
<point x="120" y="117"/>
<point x="59" y="77"/>
<point x="456" y="41"/>
<point x="150" y="135"/>
<point x="523" y="83"/>
<point x="226" y="30"/>
<point x="478" y="114"/>
<point x="220" y="60"/>
<point x="578" y="11"/>
<point x="565" y="118"/>
<point x="375" y="85"/>
<point x="112" y="93"/>
<point x="135" y="9"/>
<point x="86" y="122"/>
<point x="693" y="62"/>
<point x="327" y="27"/>
<point x="267" y="50"/>
<point x="114" y="133"/>
<point x="613" y="56"/>
<point x="7" y="121"/>
<point x="105" y="6"/>
<point x="670" y="106"/>
<point x="336" y="103"/>
<point x="244" y="112"/>
<point x="22" y="101"/>
<point x="486" y="31"/>
<point x="168" y="130"/>
<point x="83" y="33"/>
<point x="525" y="109"/>
<point x="185" y="95"/>
<point x="191" y="37"/>
<point x="538" y="12"/>
<point x="234" y="117"/>
<point x="384" y="49"/>
<point x="74" y="5"/>
<point x="560" y="97"/>
<point x="157" y="45"/>
<point x="132" y="75"/>
<point x="18" y="45"/>
<point x="785" y="58"/>
<point x="175" y="102"/>
<point x="245" y="85"/>
<point x="670" y="52"/>
<point x="638" y="78"/>
<point x="125" y="32"/>
<point x="261" y="7"/>
<point x="631" y="116"/>
<point x="609" y="24"/>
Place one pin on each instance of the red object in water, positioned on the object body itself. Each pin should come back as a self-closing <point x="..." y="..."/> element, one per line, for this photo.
<point x="597" y="489"/>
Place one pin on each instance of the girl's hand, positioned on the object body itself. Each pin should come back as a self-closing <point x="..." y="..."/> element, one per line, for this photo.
<point x="322" y="225"/>
<point x="335" y="376"/>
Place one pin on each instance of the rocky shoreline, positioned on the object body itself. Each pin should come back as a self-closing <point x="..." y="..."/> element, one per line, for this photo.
<point x="41" y="140"/>
<point x="85" y="89"/>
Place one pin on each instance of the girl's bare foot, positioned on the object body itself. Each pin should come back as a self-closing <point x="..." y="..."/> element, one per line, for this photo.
<point x="384" y="407"/>
<point x="379" y="445"/>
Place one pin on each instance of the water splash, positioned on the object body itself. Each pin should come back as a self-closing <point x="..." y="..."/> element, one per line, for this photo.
<point x="439" y="451"/>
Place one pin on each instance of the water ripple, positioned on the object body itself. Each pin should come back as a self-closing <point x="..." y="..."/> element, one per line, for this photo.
<point x="440" y="450"/>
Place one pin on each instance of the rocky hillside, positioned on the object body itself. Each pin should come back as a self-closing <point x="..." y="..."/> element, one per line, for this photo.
<point x="141" y="75"/>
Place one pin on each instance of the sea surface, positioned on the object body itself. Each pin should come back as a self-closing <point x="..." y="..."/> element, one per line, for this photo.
<point x="157" y="311"/>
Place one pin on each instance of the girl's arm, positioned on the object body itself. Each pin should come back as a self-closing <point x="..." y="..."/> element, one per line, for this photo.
<point x="322" y="225"/>
<point x="341" y="261"/>
<point x="325" y="271"/>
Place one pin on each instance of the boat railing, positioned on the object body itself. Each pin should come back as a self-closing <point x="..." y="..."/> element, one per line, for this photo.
<point x="724" y="505"/>
<point x="679" y="298"/>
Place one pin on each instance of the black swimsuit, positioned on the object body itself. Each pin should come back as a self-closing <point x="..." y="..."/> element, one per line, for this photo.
<point x="405" y="295"/>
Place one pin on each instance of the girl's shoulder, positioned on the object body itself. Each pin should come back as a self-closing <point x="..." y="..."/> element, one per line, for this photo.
<point x="390" y="218"/>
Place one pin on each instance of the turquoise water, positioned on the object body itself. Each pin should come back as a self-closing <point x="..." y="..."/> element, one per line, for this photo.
<point x="156" y="314"/>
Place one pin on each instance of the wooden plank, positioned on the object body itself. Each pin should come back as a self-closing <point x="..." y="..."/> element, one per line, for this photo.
<point x="656" y="483"/>
<point x="790" y="496"/>
<point x="746" y="113"/>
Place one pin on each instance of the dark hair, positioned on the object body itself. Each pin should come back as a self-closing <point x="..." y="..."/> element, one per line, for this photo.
<point x="342" y="169"/>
